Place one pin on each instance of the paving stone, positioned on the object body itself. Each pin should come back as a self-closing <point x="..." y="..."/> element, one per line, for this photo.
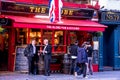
<point x="109" y="75"/>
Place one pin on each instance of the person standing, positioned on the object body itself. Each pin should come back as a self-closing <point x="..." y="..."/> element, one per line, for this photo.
<point x="89" y="51"/>
<point x="73" y="53"/>
<point x="47" y="52"/>
<point x="31" y="53"/>
<point x="82" y="60"/>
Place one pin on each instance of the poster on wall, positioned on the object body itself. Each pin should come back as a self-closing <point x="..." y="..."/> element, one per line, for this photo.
<point x="95" y="45"/>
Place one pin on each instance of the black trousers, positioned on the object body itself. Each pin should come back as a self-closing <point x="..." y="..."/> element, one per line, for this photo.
<point x="72" y="66"/>
<point x="32" y="65"/>
<point x="47" y="65"/>
<point x="83" y="67"/>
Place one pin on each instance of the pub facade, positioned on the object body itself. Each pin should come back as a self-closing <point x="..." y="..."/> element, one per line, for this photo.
<point x="110" y="53"/>
<point x="23" y="21"/>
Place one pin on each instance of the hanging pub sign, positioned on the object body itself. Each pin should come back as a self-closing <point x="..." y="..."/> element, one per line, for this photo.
<point x="109" y="17"/>
<point x="44" y="9"/>
<point x="5" y="22"/>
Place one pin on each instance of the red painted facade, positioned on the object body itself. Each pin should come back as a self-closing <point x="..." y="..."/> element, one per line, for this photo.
<point x="11" y="53"/>
<point x="66" y="4"/>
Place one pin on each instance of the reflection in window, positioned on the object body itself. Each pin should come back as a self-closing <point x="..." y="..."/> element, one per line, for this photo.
<point x="21" y="35"/>
<point x="36" y="34"/>
<point x="58" y="41"/>
<point x="73" y="37"/>
<point x="47" y="35"/>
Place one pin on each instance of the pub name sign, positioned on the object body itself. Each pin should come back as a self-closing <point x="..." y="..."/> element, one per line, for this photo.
<point x="109" y="17"/>
<point x="43" y="9"/>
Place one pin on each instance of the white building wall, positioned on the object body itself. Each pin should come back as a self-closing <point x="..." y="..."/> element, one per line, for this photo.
<point x="110" y="4"/>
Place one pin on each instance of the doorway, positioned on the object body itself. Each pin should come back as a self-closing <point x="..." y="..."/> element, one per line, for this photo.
<point x="108" y="49"/>
<point x="4" y="51"/>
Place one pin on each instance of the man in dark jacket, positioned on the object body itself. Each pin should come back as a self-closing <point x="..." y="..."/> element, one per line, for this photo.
<point x="82" y="60"/>
<point x="32" y="55"/>
<point x="47" y="52"/>
<point x="73" y="53"/>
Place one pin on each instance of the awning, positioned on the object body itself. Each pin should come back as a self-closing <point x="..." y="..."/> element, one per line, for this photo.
<point x="83" y="25"/>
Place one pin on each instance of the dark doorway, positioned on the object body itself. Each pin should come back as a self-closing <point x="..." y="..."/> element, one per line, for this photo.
<point x="3" y="51"/>
<point x="108" y="48"/>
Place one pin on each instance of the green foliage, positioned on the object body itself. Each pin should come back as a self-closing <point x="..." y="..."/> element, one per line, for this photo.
<point x="97" y="34"/>
<point x="2" y="30"/>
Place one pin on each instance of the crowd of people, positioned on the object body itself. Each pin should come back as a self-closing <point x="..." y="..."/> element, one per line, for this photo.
<point x="81" y="58"/>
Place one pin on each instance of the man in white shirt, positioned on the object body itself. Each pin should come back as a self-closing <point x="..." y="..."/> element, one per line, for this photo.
<point x="47" y="52"/>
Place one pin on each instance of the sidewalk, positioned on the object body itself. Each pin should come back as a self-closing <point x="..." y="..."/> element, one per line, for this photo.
<point x="108" y="75"/>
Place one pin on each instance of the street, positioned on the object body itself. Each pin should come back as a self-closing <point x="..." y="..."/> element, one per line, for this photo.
<point x="106" y="75"/>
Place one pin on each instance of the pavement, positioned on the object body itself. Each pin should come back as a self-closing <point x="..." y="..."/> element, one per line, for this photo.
<point x="106" y="75"/>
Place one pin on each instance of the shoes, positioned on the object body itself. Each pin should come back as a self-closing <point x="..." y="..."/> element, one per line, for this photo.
<point x="75" y="74"/>
<point x="47" y="75"/>
<point x="91" y="73"/>
<point x="85" y="77"/>
<point x="30" y="73"/>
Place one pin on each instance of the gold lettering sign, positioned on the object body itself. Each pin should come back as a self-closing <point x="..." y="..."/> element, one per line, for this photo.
<point x="70" y="12"/>
<point x="113" y="17"/>
<point x="31" y="9"/>
<point x="43" y="10"/>
<point x="67" y="12"/>
<point x="37" y="9"/>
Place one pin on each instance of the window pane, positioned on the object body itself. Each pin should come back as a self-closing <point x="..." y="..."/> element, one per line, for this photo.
<point x="59" y="41"/>
<point x="36" y="34"/>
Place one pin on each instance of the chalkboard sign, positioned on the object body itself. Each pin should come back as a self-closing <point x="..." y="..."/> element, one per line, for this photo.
<point x="21" y="63"/>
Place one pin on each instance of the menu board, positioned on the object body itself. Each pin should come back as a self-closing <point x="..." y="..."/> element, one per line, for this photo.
<point x="21" y="62"/>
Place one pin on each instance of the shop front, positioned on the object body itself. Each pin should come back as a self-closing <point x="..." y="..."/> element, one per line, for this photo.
<point x="60" y="35"/>
<point x="111" y="40"/>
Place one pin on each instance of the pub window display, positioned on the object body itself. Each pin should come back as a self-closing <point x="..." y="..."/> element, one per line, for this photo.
<point x="58" y="41"/>
<point x="21" y="36"/>
<point x="35" y="33"/>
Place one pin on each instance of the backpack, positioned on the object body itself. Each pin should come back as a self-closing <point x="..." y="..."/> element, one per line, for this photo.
<point x="26" y="51"/>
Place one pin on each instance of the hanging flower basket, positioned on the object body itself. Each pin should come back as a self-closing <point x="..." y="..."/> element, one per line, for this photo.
<point x="2" y="30"/>
<point x="97" y="34"/>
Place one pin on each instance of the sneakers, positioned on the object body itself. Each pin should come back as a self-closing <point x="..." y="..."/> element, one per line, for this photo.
<point x="85" y="77"/>
<point x="75" y="74"/>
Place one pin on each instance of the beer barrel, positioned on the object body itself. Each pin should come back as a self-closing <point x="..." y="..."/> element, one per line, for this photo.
<point x="66" y="64"/>
<point x="41" y="65"/>
<point x="21" y="63"/>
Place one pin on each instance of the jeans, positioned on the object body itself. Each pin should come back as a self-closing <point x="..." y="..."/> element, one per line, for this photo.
<point x="73" y="66"/>
<point x="81" y="69"/>
<point x="89" y="66"/>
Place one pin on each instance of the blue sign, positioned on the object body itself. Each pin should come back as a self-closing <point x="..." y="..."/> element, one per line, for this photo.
<point x="109" y="17"/>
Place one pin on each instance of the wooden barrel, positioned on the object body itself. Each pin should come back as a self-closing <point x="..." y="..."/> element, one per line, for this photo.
<point x="21" y="63"/>
<point x="41" y="65"/>
<point x="66" y="64"/>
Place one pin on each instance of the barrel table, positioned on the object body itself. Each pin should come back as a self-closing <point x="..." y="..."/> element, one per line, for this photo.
<point x="66" y="64"/>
